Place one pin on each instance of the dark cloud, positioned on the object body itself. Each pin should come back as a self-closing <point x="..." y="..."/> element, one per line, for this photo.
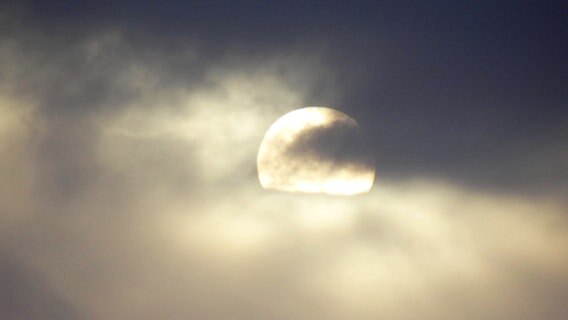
<point x="26" y="296"/>
<point x="337" y="142"/>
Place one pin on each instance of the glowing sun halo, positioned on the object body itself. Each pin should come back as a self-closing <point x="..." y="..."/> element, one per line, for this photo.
<point x="315" y="150"/>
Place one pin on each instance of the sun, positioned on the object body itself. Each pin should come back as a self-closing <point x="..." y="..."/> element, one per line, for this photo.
<point x="315" y="150"/>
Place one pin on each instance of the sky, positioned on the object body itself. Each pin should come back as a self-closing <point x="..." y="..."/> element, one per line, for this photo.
<point x="128" y="142"/>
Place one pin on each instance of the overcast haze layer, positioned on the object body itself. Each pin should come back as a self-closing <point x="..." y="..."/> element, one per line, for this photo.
<point x="128" y="142"/>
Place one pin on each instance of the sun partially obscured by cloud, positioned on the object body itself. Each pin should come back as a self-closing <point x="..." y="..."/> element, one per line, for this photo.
<point x="315" y="150"/>
<point x="129" y="191"/>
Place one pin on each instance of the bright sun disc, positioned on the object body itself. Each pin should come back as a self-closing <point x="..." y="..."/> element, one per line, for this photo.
<point x="315" y="150"/>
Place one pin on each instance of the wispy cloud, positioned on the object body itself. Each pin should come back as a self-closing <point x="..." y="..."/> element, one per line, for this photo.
<point x="129" y="191"/>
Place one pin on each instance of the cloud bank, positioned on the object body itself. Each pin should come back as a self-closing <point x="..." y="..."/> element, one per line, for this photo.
<point x="129" y="191"/>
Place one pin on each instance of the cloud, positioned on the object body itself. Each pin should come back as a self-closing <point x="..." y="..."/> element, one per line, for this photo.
<point x="129" y="192"/>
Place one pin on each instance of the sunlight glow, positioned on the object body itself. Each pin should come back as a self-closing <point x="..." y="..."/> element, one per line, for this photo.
<point x="281" y="167"/>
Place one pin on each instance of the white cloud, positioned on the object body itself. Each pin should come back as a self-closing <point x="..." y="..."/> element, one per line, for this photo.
<point x="173" y="223"/>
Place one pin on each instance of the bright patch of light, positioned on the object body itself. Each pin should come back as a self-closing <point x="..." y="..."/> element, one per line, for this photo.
<point x="279" y="169"/>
